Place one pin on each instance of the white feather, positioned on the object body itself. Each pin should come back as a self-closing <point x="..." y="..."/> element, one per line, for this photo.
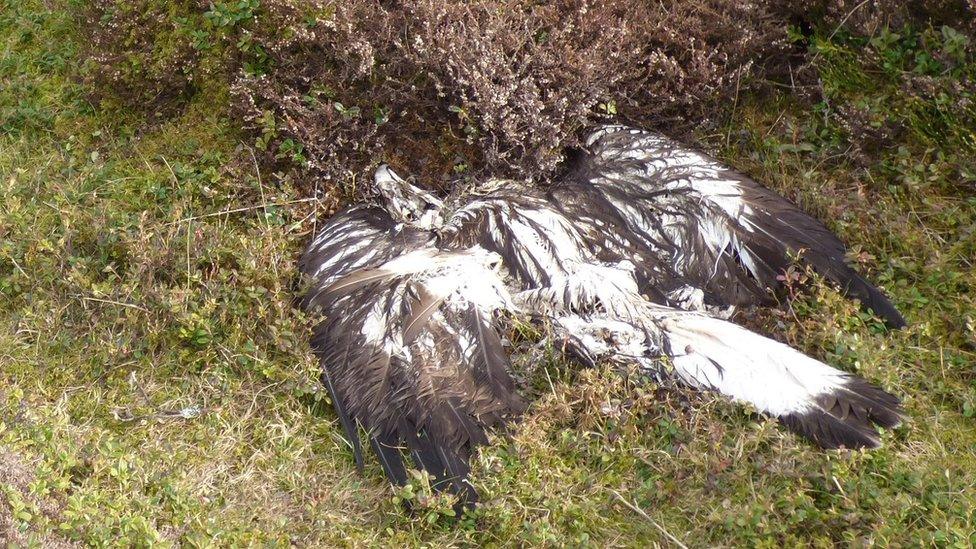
<point x="714" y="354"/>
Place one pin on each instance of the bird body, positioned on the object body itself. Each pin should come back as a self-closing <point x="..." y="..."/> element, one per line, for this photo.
<point x="635" y="255"/>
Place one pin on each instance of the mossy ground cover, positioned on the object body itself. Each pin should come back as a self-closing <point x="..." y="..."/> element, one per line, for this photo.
<point x="156" y="386"/>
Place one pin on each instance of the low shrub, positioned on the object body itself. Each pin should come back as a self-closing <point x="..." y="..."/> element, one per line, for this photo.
<point x="440" y="89"/>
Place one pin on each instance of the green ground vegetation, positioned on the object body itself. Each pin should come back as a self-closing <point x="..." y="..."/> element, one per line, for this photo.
<point x="156" y="386"/>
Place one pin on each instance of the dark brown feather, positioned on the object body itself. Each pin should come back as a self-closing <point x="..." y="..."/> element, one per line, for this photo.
<point x="846" y="418"/>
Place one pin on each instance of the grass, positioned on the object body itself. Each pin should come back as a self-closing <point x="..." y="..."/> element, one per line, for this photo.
<point x="156" y="387"/>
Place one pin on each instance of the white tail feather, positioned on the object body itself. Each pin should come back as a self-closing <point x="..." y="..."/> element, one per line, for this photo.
<point x="714" y="354"/>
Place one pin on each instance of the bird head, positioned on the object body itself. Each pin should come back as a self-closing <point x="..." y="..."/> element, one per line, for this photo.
<point x="405" y="202"/>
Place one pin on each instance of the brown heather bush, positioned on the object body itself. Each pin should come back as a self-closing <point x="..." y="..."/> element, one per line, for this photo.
<point x="439" y="88"/>
<point x="496" y="85"/>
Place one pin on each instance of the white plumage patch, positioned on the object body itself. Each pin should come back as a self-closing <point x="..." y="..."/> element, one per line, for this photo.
<point x="714" y="354"/>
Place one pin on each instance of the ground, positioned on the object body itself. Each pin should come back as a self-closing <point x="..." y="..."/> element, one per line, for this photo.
<point x="156" y="386"/>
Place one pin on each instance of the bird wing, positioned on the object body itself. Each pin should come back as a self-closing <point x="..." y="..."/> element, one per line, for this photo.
<point x="693" y="221"/>
<point x="590" y="292"/>
<point x="408" y="346"/>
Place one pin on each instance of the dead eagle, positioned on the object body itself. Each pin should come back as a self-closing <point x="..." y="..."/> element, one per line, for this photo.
<point x="637" y="253"/>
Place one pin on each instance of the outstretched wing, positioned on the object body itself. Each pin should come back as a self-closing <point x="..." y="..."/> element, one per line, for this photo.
<point x="358" y="237"/>
<point x="597" y="310"/>
<point x="718" y="230"/>
<point x="408" y="346"/>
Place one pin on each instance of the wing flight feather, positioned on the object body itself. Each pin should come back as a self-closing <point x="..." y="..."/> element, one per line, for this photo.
<point x="718" y="229"/>
<point x="409" y="350"/>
